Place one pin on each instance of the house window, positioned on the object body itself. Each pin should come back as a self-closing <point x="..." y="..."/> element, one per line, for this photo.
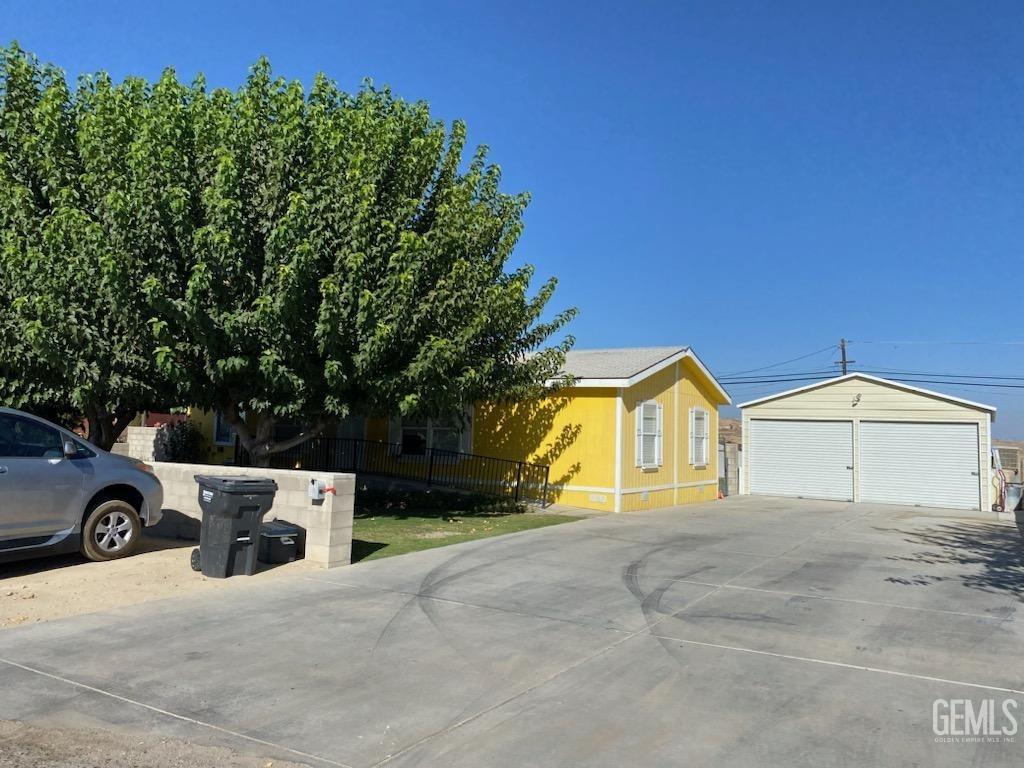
<point x="648" y="434"/>
<point x="417" y="434"/>
<point x="223" y="432"/>
<point x="1009" y="459"/>
<point x="445" y="435"/>
<point x="699" y="423"/>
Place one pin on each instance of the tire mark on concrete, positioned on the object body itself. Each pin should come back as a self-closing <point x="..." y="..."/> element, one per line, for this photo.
<point x="651" y="602"/>
<point x="434" y="580"/>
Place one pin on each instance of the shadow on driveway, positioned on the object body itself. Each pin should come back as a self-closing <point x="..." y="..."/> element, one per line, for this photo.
<point x="995" y="554"/>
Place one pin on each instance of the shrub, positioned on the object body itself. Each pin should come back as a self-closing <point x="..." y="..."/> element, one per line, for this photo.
<point x="180" y="441"/>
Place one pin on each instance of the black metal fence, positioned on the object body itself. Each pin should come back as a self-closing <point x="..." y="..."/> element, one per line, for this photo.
<point x="518" y="480"/>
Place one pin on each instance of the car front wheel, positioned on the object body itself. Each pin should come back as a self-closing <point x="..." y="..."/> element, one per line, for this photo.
<point x="111" y="530"/>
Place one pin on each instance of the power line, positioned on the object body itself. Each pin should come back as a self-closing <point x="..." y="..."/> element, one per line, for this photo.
<point x="829" y="348"/>
<point x="945" y="375"/>
<point x="769" y="376"/>
<point x="820" y="377"/>
<point x="808" y="375"/>
<point x="901" y="378"/>
<point x="939" y="343"/>
<point x="959" y="383"/>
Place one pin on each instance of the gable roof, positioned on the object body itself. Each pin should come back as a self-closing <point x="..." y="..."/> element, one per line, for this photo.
<point x="876" y="380"/>
<point x="626" y="366"/>
<point x="615" y="363"/>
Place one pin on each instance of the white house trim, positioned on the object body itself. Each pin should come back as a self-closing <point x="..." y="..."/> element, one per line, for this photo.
<point x="670" y="486"/>
<point x="619" y="408"/>
<point x="583" y="488"/>
<point x="876" y="380"/>
<point x="675" y="433"/>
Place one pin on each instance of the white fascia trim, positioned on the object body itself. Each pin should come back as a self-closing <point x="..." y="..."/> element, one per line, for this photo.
<point x="704" y="369"/>
<point x="661" y="365"/>
<point x="671" y="486"/>
<point x="878" y="380"/>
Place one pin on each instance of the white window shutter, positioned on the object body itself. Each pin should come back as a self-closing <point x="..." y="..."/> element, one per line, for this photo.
<point x="639" y="442"/>
<point x="660" y="440"/>
<point x="648" y="434"/>
<point x="693" y="437"/>
<point x="703" y="437"/>
<point x="698" y="437"/>
<point x="707" y="437"/>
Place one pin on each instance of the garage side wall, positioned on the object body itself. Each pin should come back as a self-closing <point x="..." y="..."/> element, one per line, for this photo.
<point x="860" y="400"/>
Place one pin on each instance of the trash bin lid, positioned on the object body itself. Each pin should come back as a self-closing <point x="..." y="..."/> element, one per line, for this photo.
<point x="276" y="529"/>
<point x="241" y="484"/>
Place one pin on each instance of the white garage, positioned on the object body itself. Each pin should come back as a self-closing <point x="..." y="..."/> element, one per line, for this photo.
<point x="862" y="438"/>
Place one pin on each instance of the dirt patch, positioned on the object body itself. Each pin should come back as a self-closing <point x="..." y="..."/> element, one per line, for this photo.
<point x="27" y="746"/>
<point x="437" y="534"/>
<point x="50" y="588"/>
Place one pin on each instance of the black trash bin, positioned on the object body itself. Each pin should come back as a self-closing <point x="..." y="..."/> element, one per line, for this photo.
<point x="233" y="510"/>
<point x="281" y="542"/>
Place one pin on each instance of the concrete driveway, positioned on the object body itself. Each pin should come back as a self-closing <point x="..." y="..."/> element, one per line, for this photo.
<point x="745" y="632"/>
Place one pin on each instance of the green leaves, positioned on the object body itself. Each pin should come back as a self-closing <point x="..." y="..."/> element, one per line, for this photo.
<point x="270" y="251"/>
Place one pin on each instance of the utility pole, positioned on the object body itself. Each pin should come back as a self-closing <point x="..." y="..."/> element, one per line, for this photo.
<point x="842" y="353"/>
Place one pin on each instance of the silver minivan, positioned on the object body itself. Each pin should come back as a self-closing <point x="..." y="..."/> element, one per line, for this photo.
<point x="59" y="493"/>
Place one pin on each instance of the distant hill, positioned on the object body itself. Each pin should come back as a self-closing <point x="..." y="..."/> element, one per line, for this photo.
<point x="730" y="431"/>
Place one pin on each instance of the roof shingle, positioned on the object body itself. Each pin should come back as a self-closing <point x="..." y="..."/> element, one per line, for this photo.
<point x="615" y="363"/>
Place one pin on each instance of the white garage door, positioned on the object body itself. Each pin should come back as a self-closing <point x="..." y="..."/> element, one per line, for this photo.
<point x="813" y="459"/>
<point x="932" y="465"/>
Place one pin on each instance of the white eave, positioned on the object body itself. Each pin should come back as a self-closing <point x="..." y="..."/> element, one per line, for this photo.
<point x="650" y="371"/>
<point x="877" y="380"/>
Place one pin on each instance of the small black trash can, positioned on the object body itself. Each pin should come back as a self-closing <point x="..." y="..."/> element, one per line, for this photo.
<point x="281" y="542"/>
<point x="233" y="510"/>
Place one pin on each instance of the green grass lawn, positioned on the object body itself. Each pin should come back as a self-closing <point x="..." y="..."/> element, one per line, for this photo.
<point x="393" y="523"/>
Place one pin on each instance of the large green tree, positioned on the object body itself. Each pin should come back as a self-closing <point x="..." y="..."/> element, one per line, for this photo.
<point x="283" y="254"/>
<point x="75" y="242"/>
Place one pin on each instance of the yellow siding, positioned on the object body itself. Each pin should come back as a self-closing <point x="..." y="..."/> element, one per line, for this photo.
<point x="677" y="389"/>
<point x="694" y="392"/>
<point x="377" y="428"/>
<point x="573" y="432"/>
<point x="584" y="499"/>
<point x="215" y="454"/>
<point x="661" y="388"/>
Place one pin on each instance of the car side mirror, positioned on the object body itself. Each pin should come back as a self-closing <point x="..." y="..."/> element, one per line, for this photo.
<point x="70" y="449"/>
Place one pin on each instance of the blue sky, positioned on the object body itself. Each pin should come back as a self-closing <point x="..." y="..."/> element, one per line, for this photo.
<point x="753" y="179"/>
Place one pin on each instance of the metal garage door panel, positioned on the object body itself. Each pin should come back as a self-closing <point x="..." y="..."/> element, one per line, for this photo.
<point x="932" y="465"/>
<point x="802" y="458"/>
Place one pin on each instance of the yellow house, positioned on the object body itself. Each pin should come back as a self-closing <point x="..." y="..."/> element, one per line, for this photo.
<point x="637" y="430"/>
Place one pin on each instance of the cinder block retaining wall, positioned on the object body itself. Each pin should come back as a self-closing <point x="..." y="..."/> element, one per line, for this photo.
<point x="141" y="443"/>
<point x="328" y="522"/>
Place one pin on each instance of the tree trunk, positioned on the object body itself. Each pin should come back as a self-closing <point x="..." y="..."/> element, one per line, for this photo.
<point x="105" y="427"/>
<point x="256" y="434"/>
